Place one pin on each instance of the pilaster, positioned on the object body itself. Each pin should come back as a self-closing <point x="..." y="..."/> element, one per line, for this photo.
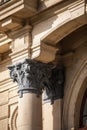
<point x="21" y="43"/>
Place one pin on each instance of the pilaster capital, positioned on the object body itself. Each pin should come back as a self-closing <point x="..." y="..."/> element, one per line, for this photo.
<point x="35" y="77"/>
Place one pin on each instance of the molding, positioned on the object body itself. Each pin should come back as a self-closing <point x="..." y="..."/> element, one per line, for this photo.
<point x="17" y="56"/>
<point x="14" y="119"/>
<point x="10" y="23"/>
<point x="47" y="13"/>
<point x="19" y="32"/>
<point x="17" y="8"/>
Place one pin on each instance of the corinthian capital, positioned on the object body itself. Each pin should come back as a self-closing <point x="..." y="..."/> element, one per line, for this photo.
<point x="35" y="77"/>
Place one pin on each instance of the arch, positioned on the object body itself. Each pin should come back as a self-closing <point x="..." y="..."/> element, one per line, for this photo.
<point x="50" y="41"/>
<point x="73" y="97"/>
<point x="58" y="33"/>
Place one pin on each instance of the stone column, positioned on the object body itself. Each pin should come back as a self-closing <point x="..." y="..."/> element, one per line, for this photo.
<point x="52" y="115"/>
<point x="28" y="76"/>
<point x="52" y="103"/>
<point x="33" y="78"/>
<point x="29" y="112"/>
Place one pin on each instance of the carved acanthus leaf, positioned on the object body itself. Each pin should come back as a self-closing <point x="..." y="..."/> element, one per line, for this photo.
<point x="35" y="77"/>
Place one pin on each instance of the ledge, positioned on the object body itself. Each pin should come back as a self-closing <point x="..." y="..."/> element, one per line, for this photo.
<point x="18" y="8"/>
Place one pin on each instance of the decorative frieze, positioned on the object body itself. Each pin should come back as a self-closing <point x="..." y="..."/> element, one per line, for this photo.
<point x="35" y="77"/>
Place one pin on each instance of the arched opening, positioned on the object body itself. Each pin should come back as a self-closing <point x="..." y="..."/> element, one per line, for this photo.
<point x="68" y="38"/>
<point x="79" y="115"/>
<point x="75" y="99"/>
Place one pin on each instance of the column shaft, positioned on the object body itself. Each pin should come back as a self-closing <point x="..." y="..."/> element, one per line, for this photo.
<point x="29" y="112"/>
<point x="52" y="115"/>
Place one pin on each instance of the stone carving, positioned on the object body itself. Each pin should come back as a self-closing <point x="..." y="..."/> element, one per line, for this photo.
<point x="56" y="83"/>
<point x="35" y="77"/>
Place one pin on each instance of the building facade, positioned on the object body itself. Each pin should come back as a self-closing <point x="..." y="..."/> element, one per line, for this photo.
<point x="43" y="64"/>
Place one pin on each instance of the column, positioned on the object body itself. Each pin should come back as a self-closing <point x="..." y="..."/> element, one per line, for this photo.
<point x="27" y="75"/>
<point x="35" y="78"/>
<point x="52" y="101"/>
<point x="52" y="115"/>
<point x="29" y="113"/>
